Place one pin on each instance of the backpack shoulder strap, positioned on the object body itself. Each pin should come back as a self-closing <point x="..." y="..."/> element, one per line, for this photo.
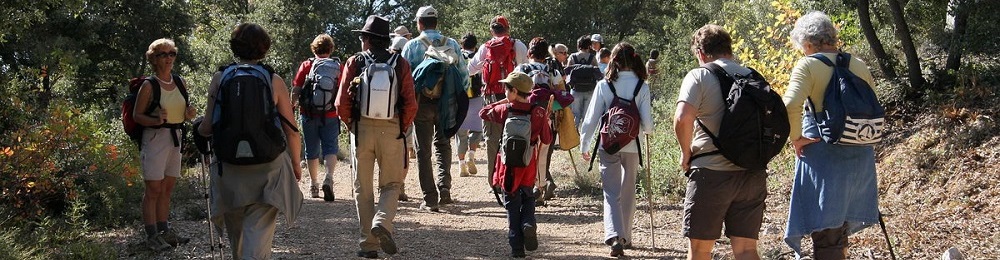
<point x="823" y="58"/>
<point x="725" y="80"/>
<point x="638" y="86"/>
<point x="611" y="86"/>
<point x="182" y="88"/>
<point x="154" y="98"/>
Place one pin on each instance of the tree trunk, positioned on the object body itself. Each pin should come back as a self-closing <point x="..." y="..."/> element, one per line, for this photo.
<point x="961" y="10"/>
<point x="884" y="60"/>
<point x="906" y="40"/>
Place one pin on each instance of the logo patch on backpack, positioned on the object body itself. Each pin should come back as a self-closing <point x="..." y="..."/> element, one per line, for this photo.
<point x="852" y="114"/>
<point x="754" y="124"/>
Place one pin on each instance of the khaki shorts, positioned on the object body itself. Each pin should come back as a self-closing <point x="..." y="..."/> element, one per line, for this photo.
<point x="733" y="198"/>
<point x="159" y="156"/>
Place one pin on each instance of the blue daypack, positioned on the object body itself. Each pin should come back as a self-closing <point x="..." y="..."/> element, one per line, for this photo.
<point x="852" y="114"/>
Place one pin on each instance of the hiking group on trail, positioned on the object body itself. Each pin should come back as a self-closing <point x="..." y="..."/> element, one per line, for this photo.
<point x="403" y="95"/>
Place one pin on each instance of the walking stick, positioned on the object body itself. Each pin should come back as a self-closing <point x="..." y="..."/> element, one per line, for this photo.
<point x="649" y="193"/>
<point x="573" y="161"/>
<point x="881" y="222"/>
<point x="205" y="161"/>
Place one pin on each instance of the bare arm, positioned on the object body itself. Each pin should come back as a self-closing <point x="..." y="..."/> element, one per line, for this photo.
<point x="284" y="105"/>
<point x="684" y="130"/>
<point x="142" y="101"/>
<point x="205" y="129"/>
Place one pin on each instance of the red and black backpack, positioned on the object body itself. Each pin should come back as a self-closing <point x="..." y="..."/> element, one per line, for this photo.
<point x="133" y="129"/>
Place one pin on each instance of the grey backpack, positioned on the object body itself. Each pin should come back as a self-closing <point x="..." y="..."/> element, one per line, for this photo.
<point x="320" y="89"/>
<point x="515" y="145"/>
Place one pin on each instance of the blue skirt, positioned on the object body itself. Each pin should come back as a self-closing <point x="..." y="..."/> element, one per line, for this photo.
<point x="834" y="184"/>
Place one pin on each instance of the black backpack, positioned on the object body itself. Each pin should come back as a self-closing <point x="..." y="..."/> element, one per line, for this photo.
<point x="755" y="124"/>
<point x="246" y="126"/>
<point x="582" y="76"/>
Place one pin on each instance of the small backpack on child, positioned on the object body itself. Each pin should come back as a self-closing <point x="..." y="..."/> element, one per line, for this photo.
<point x="320" y="89"/>
<point x="852" y="114"/>
<point x="516" y="148"/>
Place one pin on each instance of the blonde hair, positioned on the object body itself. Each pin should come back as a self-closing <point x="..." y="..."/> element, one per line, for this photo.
<point x="322" y="44"/>
<point x="156" y="45"/>
<point x="558" y="48"/>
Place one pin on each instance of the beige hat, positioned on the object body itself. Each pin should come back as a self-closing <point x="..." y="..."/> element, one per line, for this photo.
<point x="522" y="82"/>
<point x="400" y="31"/>
<point x="426" y="11"/>
<point x="398" y="43"/>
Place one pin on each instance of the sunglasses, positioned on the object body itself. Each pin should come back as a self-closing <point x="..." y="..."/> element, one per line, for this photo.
<point x="166" y="54"/>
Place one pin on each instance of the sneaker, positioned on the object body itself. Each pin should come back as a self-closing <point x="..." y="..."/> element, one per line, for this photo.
<point x="445" y="197"/>
<point x="471" y="164"/>
<point x="156" y="243"/>
<point x="403" y="197"/>
<point x="314" y="191"/>
<point x="550" y="190"/>
<point x="530" y="237"/>
<point x="464" y="170"/>
<point x="327" y="192"/>
<point x="434" y="208"/>
<point x="368" y="254"/>
<point x="385" y="239"/>
<point x="172" y="238"/>
<point x="413" y="153"/>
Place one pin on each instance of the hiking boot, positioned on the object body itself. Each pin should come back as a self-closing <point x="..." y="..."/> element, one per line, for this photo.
<point x="530" y="237"/>
<point x="433" y="208"/>
<point x="327" y="192"/>
<point x="617" y="248"/>
<point x="472" y="167"/>
<point x="156" y="243"/>
<point x="368" y="254"/>
<point x="172" y="238"/>
<point x="403" y="197"/>
<point x="464" y="170"/>
<point x="445" y="197"/>
<point x="385" y="239"/>
<point x="550" y="190"/>
<point x="314" y="191"/>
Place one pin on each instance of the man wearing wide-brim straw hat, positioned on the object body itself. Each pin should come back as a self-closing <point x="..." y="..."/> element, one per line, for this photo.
<point x="368" y="138"/>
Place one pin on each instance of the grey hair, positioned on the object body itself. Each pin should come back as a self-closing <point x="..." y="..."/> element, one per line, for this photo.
<point x="816" y="28"/>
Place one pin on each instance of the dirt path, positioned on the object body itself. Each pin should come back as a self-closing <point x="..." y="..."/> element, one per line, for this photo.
<point x="474" y="227"/>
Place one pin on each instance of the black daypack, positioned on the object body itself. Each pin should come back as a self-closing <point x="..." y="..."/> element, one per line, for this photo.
<point x="754" y="125"/>
<point x="246" y="126"/>
<point x="852" y="114"/>
<point x="320" y="89"/>
<point x="582" y="76"/>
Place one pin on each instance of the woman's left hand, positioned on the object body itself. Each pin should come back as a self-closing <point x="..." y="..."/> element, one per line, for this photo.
<point x="801" y="143"/>
<point x="190" y="113"/>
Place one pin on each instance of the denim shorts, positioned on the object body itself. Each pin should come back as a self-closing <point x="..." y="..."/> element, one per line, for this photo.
<point x="320" y="132"/>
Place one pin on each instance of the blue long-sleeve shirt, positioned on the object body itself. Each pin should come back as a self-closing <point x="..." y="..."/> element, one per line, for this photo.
<point x="414" y="51"/>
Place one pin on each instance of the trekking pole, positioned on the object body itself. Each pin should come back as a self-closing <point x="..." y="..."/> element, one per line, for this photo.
<point x="649" y="193"/>
<point x="208" y="205"/>
<point x="573" y="161"/>
<point x="881" y="223"/>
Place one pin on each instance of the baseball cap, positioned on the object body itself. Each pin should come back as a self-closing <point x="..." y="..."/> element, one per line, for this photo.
<point x="500" y="19"/>
<point x="522" y="82"/>
<point x="597" y="38"/>
<point x="426" y="11"/>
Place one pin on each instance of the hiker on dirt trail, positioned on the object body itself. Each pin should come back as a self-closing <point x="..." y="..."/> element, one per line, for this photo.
<point x="626" y="79"/>
<point x="835" y="191"/>
<point x="713" y="180"/>
<point x="376" y="101"/>
<point x="313" y="92"/>
<point x="440" y="77"/>
<point x="547" y="83"/>
<point x="160" y="144"/>
<point x="495" y="60"/>
<point x="254" y="177"/>
<point x="471" y="132"/>
<point x="516" y="183"/>
<point x="399" y="38"/>
<point x="582" y="88"/>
